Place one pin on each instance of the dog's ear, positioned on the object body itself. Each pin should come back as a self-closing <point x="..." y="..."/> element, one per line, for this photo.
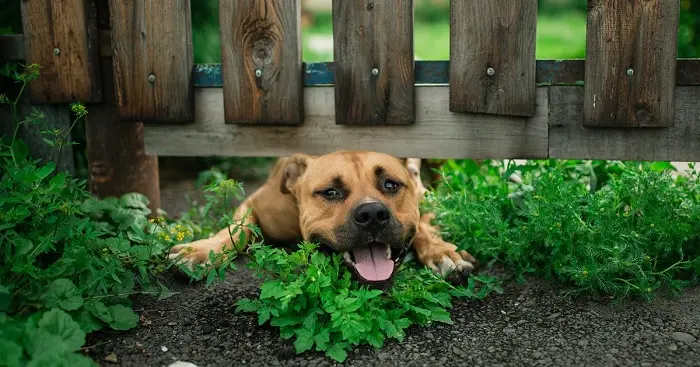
<point x="293" y="168"/>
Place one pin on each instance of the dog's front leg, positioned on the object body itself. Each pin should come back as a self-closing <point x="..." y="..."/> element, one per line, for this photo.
<point x="440" y="256"/>
<point x="197" y="252"/>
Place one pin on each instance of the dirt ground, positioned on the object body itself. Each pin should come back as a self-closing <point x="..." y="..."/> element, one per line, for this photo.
<point x="530" y="324"/>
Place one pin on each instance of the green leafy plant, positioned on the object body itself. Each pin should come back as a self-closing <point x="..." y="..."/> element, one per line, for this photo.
<point x="312" y="298"/>
<point x="605" y="228"/>
<point x="68" y="262"/>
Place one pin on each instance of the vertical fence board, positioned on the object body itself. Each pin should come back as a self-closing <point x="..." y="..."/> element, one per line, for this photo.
<point x="153" y="60"/>
<point x="631" y="63"/>
<point x="61" y="37"/>
<point x="261" y="61"/>
<point x="373" y="59"/>
<point x="492" y="56"/>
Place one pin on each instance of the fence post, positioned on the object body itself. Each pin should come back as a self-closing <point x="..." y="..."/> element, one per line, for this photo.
<point x="631" y="58"/>
<point x="374" y="62"/>
<point x="492" y="57"/>
<point x="261" y="61"/>
<point x="117" y="159"/>
<point x="153" y="60"/>
<point x="61" y="36"/>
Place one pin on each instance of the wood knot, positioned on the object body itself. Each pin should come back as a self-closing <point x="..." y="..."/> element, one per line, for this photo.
<point x="643" y="116"/>
<point x="370" y="5"/>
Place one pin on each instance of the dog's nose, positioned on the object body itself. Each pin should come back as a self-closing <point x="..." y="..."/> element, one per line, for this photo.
<point x="371" y="216"/>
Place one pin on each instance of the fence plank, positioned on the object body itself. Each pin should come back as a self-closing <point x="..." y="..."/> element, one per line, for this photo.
<point x="61" y="36"/>
<point x="492" y="56"/>
<point x="631" y="63"/>
<point x="436" y="133"/>
<point x="569" y="139"/>
<point x="261" y="61"/>
<point x="152" y="59"/>
<point x="374" y="69"/>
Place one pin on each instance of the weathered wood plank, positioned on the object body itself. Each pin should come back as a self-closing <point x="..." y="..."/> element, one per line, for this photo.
<point x="152" y="58"/>
<point x="492" y="56"/>
<point x="61" y="37"/>
<point x="374" y="68"/>
<point x="117" y="161"/>
<point x="569" y="139"/>
<point x="261" y="61"/>
<point x="436" y="133"/>
<point x="631" y="63"/>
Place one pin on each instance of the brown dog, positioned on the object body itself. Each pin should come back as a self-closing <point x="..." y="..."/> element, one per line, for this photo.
<point x="362" y="204"/>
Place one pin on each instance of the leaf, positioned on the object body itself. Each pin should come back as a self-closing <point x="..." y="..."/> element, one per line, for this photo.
<point x="55" y="328"/>
<point x="10" y="353"/>
<point x="440" y="315"/>
<point x="88" y="322"/>
<point x="322" y="339"/>
<point x="123" y="317"/>
<point x="58" y="182"/>
<point x="44" y="171"/>
<point x="5" y="298"/>
<point x="134" y="200"/>
<point x="22" y="245"/>
<point x="271" y="289"/>
<point x="63" y="360"/>
<point x="304" y="341"/>
<point x="376" y="339"/>
<point x="63" y="293"/>
<point x="247" y="305"/>
<point x="337" y="352"/>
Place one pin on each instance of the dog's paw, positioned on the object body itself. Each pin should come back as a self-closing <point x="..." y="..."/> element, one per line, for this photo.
<point x="193" y="253"/>
<point x="444" y="259"/>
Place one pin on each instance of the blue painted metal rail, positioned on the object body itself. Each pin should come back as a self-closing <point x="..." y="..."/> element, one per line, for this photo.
<point x="549" y="72"/>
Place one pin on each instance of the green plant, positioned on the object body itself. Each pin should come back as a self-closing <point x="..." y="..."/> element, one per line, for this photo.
<point x="312" y="298"/>
<point x="69" y="262"/>
<point x="606" y="228"/>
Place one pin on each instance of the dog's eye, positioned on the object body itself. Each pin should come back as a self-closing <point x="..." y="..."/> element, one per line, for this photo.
<point x="331" y="193"/>
<point x="391" y="186"/>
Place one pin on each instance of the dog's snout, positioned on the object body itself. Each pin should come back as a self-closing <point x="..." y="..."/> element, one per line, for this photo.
<point x="372" y="216"/>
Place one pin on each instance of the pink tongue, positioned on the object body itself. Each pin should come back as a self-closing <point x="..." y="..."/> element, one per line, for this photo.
<point x="372" y="264"/>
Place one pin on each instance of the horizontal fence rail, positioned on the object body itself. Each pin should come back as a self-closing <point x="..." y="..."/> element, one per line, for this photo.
<point x="632" y="98"/>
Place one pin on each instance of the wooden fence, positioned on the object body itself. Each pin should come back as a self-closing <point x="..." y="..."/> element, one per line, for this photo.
<point x="631" y="98"/>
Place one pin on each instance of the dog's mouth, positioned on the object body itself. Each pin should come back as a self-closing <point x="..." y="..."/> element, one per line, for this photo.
<point x="372" y="263"/>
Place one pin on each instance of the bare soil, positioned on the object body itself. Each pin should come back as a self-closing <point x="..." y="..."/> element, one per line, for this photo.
<point x="529" y="324"/>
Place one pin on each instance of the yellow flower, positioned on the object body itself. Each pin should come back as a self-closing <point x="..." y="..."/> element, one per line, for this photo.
<point x="166" y="237"/>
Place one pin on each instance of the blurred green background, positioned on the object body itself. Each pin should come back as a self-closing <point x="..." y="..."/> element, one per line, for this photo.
<point x="561" y="29"/>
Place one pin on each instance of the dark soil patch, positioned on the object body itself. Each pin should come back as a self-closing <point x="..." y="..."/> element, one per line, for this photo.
<point x="530" y="324"/>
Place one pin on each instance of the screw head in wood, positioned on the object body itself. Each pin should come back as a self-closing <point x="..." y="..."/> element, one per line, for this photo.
<point x="258" y="73"/>
<point x="630" y="72"/>
<point x="56" y="51"/>
<point x="375" y="71"/>
<point x="151" y="78"/>
<point x="491" y="71"/>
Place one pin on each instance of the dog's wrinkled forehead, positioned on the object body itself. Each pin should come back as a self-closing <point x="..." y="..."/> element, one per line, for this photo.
<point x="354" y="170"/>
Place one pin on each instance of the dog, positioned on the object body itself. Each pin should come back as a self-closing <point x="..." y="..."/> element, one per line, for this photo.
<point x="362" y="204"/>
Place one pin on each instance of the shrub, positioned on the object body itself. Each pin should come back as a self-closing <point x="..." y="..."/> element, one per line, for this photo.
<point x="603" y="228"/>
<point x="70" y="262"/>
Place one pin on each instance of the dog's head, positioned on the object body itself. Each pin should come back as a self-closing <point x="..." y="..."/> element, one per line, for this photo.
<point x="361" y="204"/>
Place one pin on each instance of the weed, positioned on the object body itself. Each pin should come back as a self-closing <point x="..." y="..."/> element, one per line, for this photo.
<point x="601" y="228"/>
<point x="312" y="298"/>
